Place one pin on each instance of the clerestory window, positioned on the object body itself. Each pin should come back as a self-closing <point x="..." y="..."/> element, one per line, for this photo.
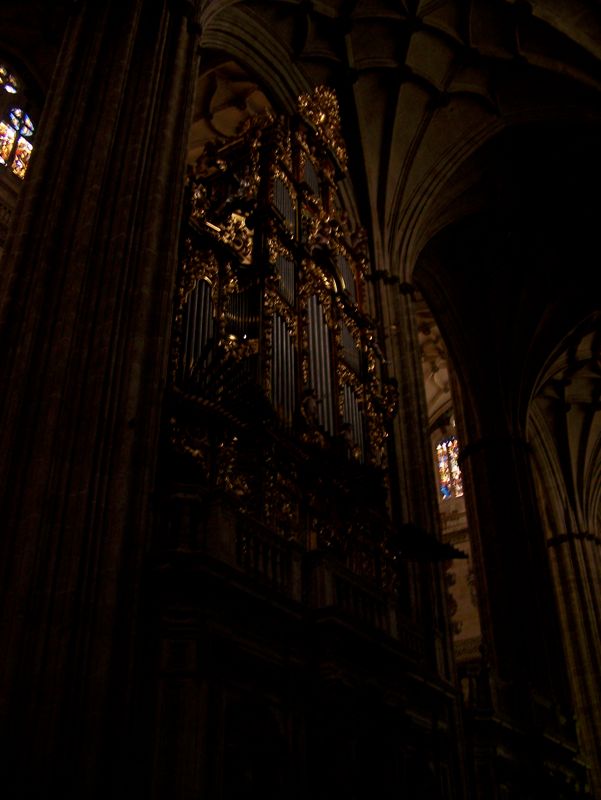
<point x="16" y="127"/>
<point x="449" y="474"/>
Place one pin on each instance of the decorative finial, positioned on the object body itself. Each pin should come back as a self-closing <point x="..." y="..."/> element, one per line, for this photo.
<point x="320" y="109"/>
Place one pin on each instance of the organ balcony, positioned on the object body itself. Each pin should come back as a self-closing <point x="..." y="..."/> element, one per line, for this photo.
<point x="280" y="405"/>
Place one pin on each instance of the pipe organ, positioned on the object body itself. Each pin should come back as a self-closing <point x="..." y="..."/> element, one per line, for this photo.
<point x="277" y="382"/>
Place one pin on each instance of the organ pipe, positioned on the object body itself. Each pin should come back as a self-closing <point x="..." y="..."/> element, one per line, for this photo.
<point x="283" y="369"/>
<point x="244" y="235"/>
<point x="197" y="327"/>
<point x="283" y="203"/>
<point x="310" y="176"/>
<point x="286" y="269"/>
<point x="353" y="416"/>
<point x="320" y="363"/>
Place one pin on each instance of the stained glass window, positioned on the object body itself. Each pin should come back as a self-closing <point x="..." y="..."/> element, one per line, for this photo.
<point x="7" y="141"/>
<point x="21" y="157"/>
<point x="16" y="129"/>
<point x="7" y="81"/>
<point x="449" y="474"/>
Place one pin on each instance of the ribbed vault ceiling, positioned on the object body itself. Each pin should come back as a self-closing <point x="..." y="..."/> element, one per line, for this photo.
<point x="422" y="85"/>
<point x="226" y="96"/>
<point x="424" y="88"/>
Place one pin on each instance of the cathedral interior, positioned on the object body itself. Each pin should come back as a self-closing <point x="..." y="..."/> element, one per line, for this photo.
<point x="301" y="399"/>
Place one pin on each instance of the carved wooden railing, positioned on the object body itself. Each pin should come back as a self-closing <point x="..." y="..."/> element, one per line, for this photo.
<point x="207" y="526"/>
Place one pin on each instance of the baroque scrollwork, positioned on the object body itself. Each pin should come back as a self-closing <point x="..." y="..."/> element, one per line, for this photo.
<point x="320" y="108"/>
<point x="280" y="355"/>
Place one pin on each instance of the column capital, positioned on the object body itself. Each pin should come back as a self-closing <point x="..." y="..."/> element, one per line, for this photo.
<point x="573" y="536"/>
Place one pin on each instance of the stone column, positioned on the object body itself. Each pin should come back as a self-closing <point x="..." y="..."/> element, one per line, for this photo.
<point x="576" y="563"/>
<point x="85" y="317"/>
<point x="415" y="491"/>
<point x="565" y="427"/>
<point x="517" y="606"/>
<point x="414" y="497"/>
